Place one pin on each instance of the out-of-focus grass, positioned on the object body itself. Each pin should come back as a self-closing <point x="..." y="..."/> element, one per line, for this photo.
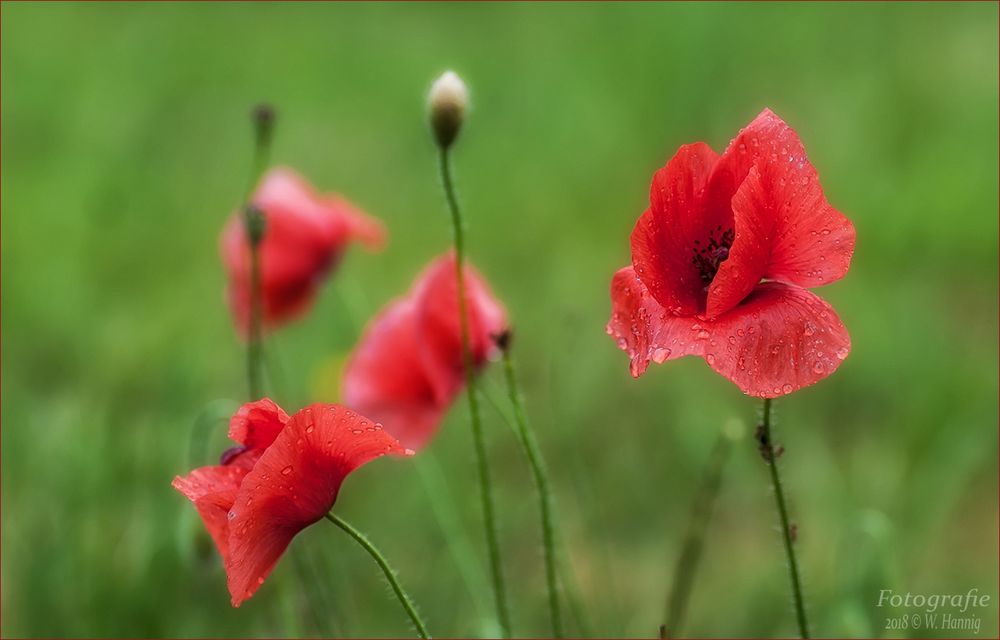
<point x="125" y="144"/>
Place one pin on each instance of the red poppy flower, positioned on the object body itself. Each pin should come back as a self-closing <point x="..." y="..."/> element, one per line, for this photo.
<point x="407" y="368"/>
<point x="721" y="261"/>
<point x="305" y="236"/>
<point x="284" y="477"/>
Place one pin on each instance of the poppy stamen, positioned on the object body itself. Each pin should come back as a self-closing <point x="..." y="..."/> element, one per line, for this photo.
<point x="708" y="258"/>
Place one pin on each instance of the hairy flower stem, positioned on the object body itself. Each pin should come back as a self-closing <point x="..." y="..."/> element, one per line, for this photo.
<point x="541" y="478"/>
<point x="701" y="513"/>
<point x="770" y="455"/>
<point x="482" y="462"/>
<point x="390" y="575"/>
<point x="254" y="227"/>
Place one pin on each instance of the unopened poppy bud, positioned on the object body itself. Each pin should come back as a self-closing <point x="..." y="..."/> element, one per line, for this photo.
<point x="253" y="219"/>
<point x="448" y="101"/>
<point x="263" y="123"/>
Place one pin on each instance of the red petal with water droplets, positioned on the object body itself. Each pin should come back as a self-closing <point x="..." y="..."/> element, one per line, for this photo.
<point x="304" y="237"/>
<point x="294" y="484"/>
<point x="213" y="491"/>
<point x="644" y="329"/>
<point x="753" y="222"/>
<point x="663" y="240"/>
<point x="778" y="340"/>
<point x="256" y="424"/>
<point x="812" y="242"/>
<point x="385" y="377"/>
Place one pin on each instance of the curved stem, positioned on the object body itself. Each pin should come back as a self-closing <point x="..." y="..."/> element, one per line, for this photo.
<point x="541" y="478"/>
<point x="390" y="575"/>
<point x="482" y="462"/>
<point x="770" y="457"/>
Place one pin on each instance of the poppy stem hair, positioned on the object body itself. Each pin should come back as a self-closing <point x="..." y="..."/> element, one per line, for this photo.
<point x="770" y="455"/>
<point x="255" y="226"/>
<point x="540" y="475"/>
<point x="482" y="462"/>
<point x="701" y="513"/>
<point x="390" y="575"/>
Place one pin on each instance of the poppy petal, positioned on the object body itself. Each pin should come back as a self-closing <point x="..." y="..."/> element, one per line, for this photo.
<point x="753" y="221"/>
<point x="294" y="484"/>
<point x="644" y="329"/>
<point x="305" y="236"/>
<point x="664" y="239"/>
<point x="780" y="339"/>
<point x="384" y="379"/>
<point x="438" y="323"/>
<point x="357" y="224"/>
<point x="812" y="242"/>
<point x="213" y="491"/>
<point x="256" y="424"/>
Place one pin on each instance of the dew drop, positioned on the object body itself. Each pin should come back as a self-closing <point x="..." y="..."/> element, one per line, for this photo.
<point x="286" y="470"/>
<point x="842" y="352"/>
<point x="732" y="339"/>
<point x="818" y="367"/>
<point x="710" y="358"/>
<point x="231" y="515"/>
<point x="310" y="429"/>
<point x="787" y="388"/>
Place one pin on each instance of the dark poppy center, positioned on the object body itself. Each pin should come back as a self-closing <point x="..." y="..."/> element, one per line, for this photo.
<point x="709" y="255"/>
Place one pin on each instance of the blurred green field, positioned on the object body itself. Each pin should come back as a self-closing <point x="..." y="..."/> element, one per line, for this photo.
<point x="125" y="145"/>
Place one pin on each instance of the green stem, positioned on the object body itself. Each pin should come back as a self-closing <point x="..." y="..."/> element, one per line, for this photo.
<point x="770" y="457"/>
<point x="253" y="226"/>
<point x="485" y="485"/>
<point x="541" y="478"/>
<point x="254" y="337"/>
<point x="701" y="513"/>
<point x="390" y="575"/>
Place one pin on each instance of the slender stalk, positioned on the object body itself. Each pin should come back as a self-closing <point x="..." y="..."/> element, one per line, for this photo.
<point x="541" y="478"/>
<point x="390" y="575"/>
<point x="701" y="513"/>
<point x="769" y="454"/>
<point x="482" y="462"/>
<point x="253" y="223"/>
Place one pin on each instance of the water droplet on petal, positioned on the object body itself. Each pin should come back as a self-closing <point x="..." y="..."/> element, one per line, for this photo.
<point x="786" y="388"/>
<point x="819" y="367"/>
<point x="286" y="470"/>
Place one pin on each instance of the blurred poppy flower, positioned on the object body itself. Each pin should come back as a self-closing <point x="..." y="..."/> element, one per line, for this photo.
<point x="305" y="235"/>
<point x="283" y="477"/>
<point x="721" y="260"/>
<point x="407" y="368"/>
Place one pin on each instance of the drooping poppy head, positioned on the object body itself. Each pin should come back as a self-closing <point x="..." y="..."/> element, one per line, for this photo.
<point x="408" y="367"/>
<point x="721" y="262"/>
<point x="305" y="235"/>
<point x="284" y="476"/>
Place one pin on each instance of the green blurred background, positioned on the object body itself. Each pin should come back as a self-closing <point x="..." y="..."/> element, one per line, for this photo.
<point x="126" y="143"/>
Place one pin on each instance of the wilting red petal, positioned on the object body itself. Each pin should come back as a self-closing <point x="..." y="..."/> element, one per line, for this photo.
<point x="438" y="323"/>
<point x="294" y="484"/>
<point x="385" y="378"/>
<point x="780" y="339"/>
<point x="812" y="242"/>
<point x="644" y="329"/>
<point x="664" y="239"/>
<point x="213" y="492"/>
<point x="753" y="222"/>
<point x="256" y="424"/>
<point x="305" y="235"/>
